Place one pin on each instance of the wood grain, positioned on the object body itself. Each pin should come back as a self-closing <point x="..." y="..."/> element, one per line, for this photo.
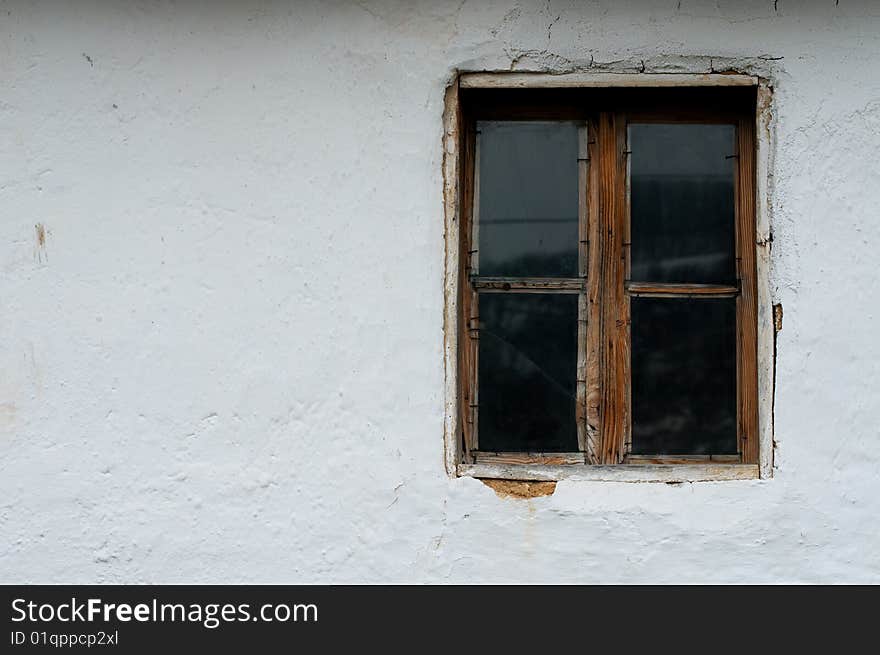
<point x="603" y="356"/>
<point x="528" y="284"/>
<point x="680" y="459"/>
<point x="453" y="141"/>
<point x="746" y="305"/>
<point x="593" y="302"/>
<point x="552" y="459"/>
<point x="764" y="137"/>
<point x="585" y="444"/>
<point x="627" y="275"/>
<point x="672" y="290"/>
<point x="611" y="274"/>
<point x="467" y="339"/>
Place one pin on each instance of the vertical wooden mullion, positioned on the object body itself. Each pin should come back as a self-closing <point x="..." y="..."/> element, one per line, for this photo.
<point x="625" y="300"/>
<point x="738" y="248"/>
<point x="474" y="231"/>
<point x="593" y="301"/>
<point x="581" y="369"/>
<point x="474" y="270"/>
<point x="607" y="296"/>
<point x="468" y="300"/>
<point x="587" y="439"/>
<point x="746" y="303"/>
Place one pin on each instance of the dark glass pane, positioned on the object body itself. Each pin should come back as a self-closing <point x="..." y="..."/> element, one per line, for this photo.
<point x="528" y="221"/>
<point x="683" y="376"/>
<point x="682" y="203"/>
<point x="528" y="354"/>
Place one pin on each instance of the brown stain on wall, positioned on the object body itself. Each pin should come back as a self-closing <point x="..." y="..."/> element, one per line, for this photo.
<point x="520" y="488"/>
<point x="40" y="250"/>
<point x="777" y="328"/>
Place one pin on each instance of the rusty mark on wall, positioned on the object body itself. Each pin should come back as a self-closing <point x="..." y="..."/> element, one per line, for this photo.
<point x="777" y="328"/>
<point x="40" y="248"/>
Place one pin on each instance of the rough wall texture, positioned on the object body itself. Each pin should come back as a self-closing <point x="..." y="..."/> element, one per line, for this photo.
<point x="221" y="296"/>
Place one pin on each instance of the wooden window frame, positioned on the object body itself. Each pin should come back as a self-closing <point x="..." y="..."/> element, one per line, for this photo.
<point x="603" y="287"/>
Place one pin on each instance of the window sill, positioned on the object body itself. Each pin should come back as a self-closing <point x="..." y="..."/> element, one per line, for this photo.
<point x="669" y="473"/>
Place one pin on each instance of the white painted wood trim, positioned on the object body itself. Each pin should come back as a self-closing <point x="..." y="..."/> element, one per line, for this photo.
<point x="451" y="204"/>
<point x="619" y="473"/>
<point x="503" y="80"/>
<point x="766" y="330"/>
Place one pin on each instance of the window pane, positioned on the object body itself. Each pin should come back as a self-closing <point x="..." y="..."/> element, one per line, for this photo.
<point x="527" y="387"/>
<point x="683" y="376"/>
<point x="682" y="203"/>
<point x="528" y="199"/>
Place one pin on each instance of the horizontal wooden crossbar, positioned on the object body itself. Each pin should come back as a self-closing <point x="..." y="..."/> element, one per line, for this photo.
<point x="528" y="284"/>
<point x="674" y="290"/>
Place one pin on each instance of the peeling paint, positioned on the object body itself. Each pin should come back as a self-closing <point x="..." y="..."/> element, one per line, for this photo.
<point x="520" y="489"/>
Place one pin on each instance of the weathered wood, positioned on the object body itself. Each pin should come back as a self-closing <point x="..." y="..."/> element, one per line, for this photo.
<point x="550" y="459"/>
<point x="468" y="320"/>
<point x="593" y="303"/>
<point x="528" y="284"/>
<point x="452" y="342"/>
<point x="583" y="199"/>
<point x="584" y="443"/>
<point x="766" y="333"/>
<point x="627" y="274"/>
<point x="620" y="473"/>
<point x="674" y="290"/>
<point x="473" y="251"/>
<point x="506" y="80"/>
<point x="680" y="459"/>
<point x="603" y="366"/>
<point x="473" y="363"/>
<point x="611" y="274"/>
<point x="746" y="305"/>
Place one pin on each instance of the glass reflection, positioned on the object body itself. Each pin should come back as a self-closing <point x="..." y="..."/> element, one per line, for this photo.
<point x="528" y="199"/>
<point x="682" y="203"/>
<point x="527" y="359"/>
<point x="683" y="376"/>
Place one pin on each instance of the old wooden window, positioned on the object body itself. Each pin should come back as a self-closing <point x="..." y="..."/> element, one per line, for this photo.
<point x="607" y="276"/>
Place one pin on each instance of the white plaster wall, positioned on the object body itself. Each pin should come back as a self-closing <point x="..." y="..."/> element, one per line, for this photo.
<point x="225" y="362"/>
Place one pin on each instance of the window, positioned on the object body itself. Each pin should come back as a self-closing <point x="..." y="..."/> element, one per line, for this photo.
<point x="607" y="279"/>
